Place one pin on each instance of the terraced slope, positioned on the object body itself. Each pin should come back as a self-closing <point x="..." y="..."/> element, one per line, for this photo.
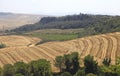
<point x="20" y="48"/>
<point x="18" y="41"/>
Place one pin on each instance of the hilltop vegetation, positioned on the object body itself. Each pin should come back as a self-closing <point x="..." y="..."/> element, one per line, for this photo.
<point x="91" y="24"/>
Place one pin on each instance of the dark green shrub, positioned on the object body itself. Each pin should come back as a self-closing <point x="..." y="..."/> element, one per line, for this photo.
<point x="106" y="61"/>
<point x="8" y="70"/>
<point x="91" y="74"/>
<point x="19" y="74"/>
<point x="80" y="73"/>
<point x="2" y="45"/>
<point x="91" y="66"/>
<point x="66" y="74"/>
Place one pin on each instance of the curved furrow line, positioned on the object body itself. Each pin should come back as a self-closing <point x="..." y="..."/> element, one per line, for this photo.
<point x="4" y="60"/>
<point x="115" y="47"/>
<point x="10" y="57"/>
<point x="110" y="45"/>
<point x="44" y="53"/>
<point x="61" y="48"/>
<point x="85" y="48"/>
<point x="77" y="45"/>
<point x="96" y="46"/>
<point x="23" y="56"/>
<point x="100" y="46"/>
<point x="51" y="51"/>
<point x="27" y="53"/>
<point x="72" y="46"/>
<point x="99" y="53"/>
<point x="36" y="53"/>
<point x="32" y="53"/>
<point x="58" y="48"/>
<point x="19" y="58"/>
<point x="82" y="47"/>
<point x="117" y="36"/>
<point x="15" y="57"/>
<point x="67" y="46"/>
<point x="113" y="53"/>
<point x="105" y="48"/>
<point x="90" y="45"/>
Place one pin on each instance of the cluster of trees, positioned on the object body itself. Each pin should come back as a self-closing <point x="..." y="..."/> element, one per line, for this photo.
<point x="94" y="24"/>
<point x="91" y="67"/>
<point x="68" y="65"/>
<point x="68" y="62"/>
<point x="40" y="67"/>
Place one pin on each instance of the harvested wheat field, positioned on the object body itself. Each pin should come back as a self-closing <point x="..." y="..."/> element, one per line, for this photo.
<point x="21" y="48"/>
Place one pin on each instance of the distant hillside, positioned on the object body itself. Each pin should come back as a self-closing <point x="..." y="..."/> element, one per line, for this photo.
<point x="92" y="24"/>
<point x="12" y="21"/>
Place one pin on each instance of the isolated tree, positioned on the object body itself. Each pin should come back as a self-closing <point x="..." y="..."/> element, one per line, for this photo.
<point x="106" y="61"/>
<point x="91" y="66"/>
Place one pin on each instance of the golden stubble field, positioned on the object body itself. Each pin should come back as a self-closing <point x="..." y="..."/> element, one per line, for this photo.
<point x="22" y="48"/>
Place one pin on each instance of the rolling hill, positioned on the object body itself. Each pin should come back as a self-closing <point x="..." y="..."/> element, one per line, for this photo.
<point x="95" y="24"/>
<point x="88" y="25"/>
<point x="12" y="20"/>
<point x="22" y="48"/>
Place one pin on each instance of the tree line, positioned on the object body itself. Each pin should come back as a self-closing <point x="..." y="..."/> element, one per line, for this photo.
<point x="68" y="64"/>
<point x="92" y="24"/>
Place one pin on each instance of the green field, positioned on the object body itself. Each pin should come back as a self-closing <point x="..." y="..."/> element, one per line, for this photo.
<point x="55" y="34"/>
<point x="55" y="37"/>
